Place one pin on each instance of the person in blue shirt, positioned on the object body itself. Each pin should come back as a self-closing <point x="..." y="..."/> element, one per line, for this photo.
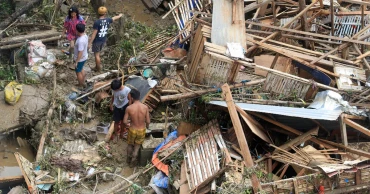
<point x="99" y="35"/>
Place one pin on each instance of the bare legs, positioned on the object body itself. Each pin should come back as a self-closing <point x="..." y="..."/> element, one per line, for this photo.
<point x="132" y="154"/>
<point x="71" y="48"/>
<point x="81" y="78"/>
<point x="97" y="62"/>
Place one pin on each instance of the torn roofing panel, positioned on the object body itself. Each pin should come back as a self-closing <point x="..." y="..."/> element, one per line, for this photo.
<point x="330" y="115"/>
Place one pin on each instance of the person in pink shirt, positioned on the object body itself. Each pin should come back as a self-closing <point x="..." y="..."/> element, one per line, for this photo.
<point x="70" y="31"/>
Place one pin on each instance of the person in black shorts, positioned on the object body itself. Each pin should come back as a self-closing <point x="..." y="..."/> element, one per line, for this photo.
<point x="99" y="35"/>
<point x="120" y="101"/>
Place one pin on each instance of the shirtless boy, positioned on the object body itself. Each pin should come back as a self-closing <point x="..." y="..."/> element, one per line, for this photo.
<point x="139" y="121"/>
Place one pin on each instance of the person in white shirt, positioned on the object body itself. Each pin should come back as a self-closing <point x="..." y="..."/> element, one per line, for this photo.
<point x="80" y="53"/>
<point x="120" y="101"/>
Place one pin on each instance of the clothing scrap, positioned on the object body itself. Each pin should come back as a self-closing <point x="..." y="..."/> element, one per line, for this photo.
<point x="136" y="136"/>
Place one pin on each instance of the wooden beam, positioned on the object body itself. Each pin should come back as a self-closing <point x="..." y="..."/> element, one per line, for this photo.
<point x="185" y="83"/>
<point x="357" y="2"/>
<point x="343" y="131"/>
<point x="300" y="49"/>
<point x="332" y="16"/>
<point x="31" y="187"/>
<point x="360" y="53"/>
<point x="358" y="177"/>
<point x="346" y="13"/>
<point x="354" y="117"/>
<point x="347" y="149"/>
<point x="307" y="33"/>
<point x="256" y="5"/>
<point x="240" y="134"/>
<point x="287" y="54"/>
<point x="300" y="139"/>
<point x="269" y="165"/>
<point x="290" y="129"/>
<point x="304" y="26"/>
<point x="357" y="127"/>
<point x="284" y="170"/>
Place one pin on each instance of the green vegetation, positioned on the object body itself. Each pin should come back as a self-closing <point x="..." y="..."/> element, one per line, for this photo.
<point x="6" y="9"/>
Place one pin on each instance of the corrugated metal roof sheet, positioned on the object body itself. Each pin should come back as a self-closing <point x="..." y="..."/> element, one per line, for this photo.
<point x="330" y="115"/>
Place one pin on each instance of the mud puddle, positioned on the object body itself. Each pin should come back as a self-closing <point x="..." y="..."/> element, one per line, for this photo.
<point x="10" y="173"/>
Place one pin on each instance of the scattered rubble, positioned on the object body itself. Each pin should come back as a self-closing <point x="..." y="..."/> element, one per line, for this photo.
<point x="266" y="96"/>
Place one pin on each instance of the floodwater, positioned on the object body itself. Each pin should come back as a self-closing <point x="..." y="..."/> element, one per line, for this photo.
<point x="8" y="164"/>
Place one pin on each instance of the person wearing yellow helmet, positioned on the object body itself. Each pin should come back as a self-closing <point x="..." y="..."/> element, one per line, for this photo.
<point x="99" y="35"/>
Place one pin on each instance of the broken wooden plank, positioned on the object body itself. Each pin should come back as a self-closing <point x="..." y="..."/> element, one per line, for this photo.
<point x="240" y="134"/>
<point x="288" y="54"/>
<point x="308" y="33"/>
<point x="357" y="126"/>
<point x="343" y="130"/>
<point x="256" y="5"/>
<point x="30" y="185"/>
<point x="290" y="129"/>
<point x="300" y="139"/>
<point x="347" y="149"/>
<point x="256" y="130"/>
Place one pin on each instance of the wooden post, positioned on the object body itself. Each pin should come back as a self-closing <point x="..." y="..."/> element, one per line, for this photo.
<point x="358" y="177"/>
<point x="343" y="130"/>
<point x="274" y="61"/>
<point x="240" y="134"/>
<point x="273" y="6"/>
<point x="304" y="26"/>
<point x="357" y="127"/>
<point x="269" y="165"/>
<point x="362" y="23"/>
<point x="332" y="16"/>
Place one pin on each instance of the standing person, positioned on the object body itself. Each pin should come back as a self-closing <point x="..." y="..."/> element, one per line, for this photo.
<point x="139" y="122"/>
<point x="70" y="23"/>
<point x="99" y="35"/>
<point x="81" y="55"/>
<point x="120" y="101"/>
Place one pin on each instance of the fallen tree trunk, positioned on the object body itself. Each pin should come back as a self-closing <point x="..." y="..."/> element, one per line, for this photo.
<point x="202" y="92"/>
<point x="21" y="44"/>
<point x="33" y="36"/>
<point x="17" y="13"/>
